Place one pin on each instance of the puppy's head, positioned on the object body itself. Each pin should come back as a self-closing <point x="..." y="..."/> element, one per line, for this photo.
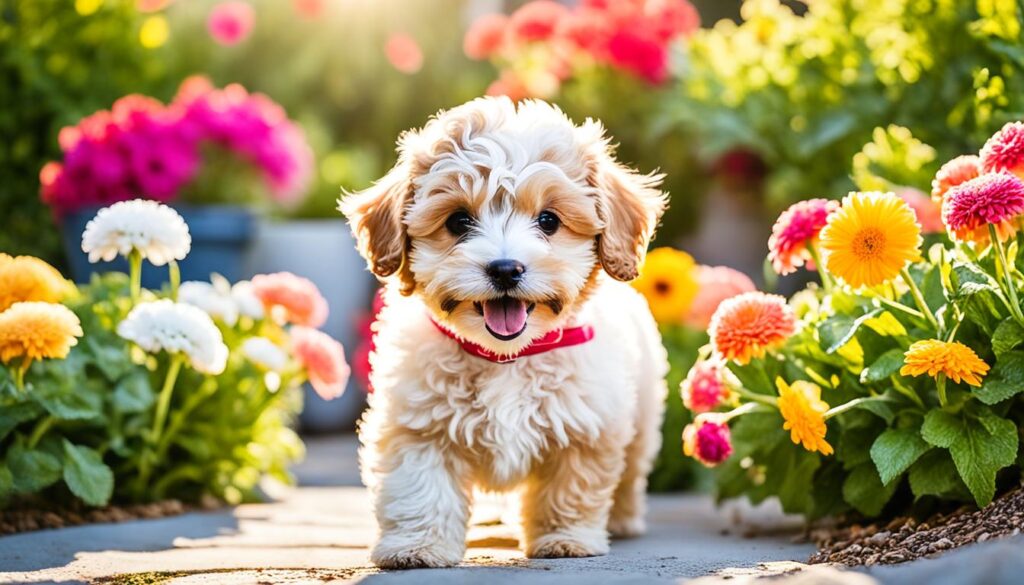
<point x="500" y="217"/>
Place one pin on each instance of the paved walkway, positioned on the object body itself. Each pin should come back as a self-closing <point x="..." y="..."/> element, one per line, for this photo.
<point x="321" y="531"/>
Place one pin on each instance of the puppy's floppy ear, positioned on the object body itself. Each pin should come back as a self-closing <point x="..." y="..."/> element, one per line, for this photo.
<point x="375" y="216"/>
<point x="630" y="205"/>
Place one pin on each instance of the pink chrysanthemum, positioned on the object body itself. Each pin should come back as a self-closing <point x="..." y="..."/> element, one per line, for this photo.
<point x="324" y="361"/>
<point x="231" y="22"/>
<point x="747" y="326"/>
<point x="796" y="229"/>
<point x="928" y="212"/>
<point x="959" y="170"/>
<point x="290" y="298"/>
<point x="705" y="388"/>
<point x="1005" y="150"/>
<point x="537" y="20"/>
<point x="993" y="198"/>
<point x="714" y="285"/>
<point x="707" y="441"/>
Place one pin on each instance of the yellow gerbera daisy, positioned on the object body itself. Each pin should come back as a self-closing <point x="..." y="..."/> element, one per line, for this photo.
<point x="955" y="360"/>
<point x="871" y="238"/>
<point x="25" y="278"/>
<point x="36" y="330"/>
<point x="669" y="281"/>
<point x="804" y="412"/>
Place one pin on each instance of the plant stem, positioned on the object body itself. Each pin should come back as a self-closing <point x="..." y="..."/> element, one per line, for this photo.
<point x="740" y="410"/>
<point x="135" y="275"/>
<point x="164" y="400"/>
<point x="1011" y="291"/>
<point x="754" y="396"/>
<point x="852" y="404"/>
<point x="940" y="385"/>
<point x="19" y="374"/>
<point x="40" y="430"/>
<point x="900" y="307"/>
<point x="919" y="298"/>
<point x="175" y="277"/>
<point x="826" y="278"/>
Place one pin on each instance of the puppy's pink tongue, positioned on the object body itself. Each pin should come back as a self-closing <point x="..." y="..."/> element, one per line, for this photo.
<point x="505" y="316"/>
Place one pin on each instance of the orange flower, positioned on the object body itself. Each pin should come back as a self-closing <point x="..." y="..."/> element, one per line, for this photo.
<point x="953" y="359"/>
<point x="804" y="412"/>
<point x="36" y="330"/>
<point x="748" y="325"/>
<point x="25" y="278"/>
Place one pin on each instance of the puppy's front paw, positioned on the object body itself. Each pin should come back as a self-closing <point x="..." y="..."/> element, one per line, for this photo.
<point x="568" y="544"/>
<point x="627" y="527"/>
<point x="393" y="553"/>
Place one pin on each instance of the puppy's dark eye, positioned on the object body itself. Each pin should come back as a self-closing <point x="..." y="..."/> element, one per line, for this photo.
<point x="459" y="223"/>
<point x="548" y="222"/>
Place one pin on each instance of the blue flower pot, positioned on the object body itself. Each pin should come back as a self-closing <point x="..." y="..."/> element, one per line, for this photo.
<point x="221" y="237"/>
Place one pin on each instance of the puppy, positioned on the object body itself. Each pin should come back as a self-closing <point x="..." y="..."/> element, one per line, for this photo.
<point x="508" y="355"/>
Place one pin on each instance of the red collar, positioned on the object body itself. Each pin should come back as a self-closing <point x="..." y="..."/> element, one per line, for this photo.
<point x="551" y="340"/>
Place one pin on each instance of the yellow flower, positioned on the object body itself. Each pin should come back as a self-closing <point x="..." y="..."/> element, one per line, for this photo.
<point x="36" y="330"/>
<point x="669" y="281"/>
<point x="870" y="239"/>
<point x="955" y="360"/>
<point x="24" y="278"/>
<point x="803" y="409"/>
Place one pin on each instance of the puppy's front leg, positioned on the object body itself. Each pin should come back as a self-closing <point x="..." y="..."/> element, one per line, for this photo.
<point x="422" y="506"/>
<point x="566" y="503"/>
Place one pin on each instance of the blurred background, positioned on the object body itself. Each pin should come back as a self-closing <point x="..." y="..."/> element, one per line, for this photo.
<point x="258" y="112"/>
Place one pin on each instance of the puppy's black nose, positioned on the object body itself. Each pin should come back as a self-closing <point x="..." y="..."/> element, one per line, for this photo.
<point x="505" y="274"/>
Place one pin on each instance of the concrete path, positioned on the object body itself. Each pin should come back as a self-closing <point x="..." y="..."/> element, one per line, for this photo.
<point x="321" y="533"/>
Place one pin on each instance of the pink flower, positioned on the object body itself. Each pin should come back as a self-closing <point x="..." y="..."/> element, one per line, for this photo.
<point x="509" y="85"/>
<point x="959" y="170"/>
<point x="324" y="361"/>
<point x="673" y="18"/>
<point x="705" y="388"/>
<point x="715" y="284"/>
<point x="290" y="298"/>
<point x="537" y="20"/>
<point x="928" y="212"/>
<point x="404" y="54"/>
<point x="588" y="29"/>
<point x="795" y="230"/>
<point x="1004" y="151"/>
<point x="152" y="5"/>
<point x="993" y="198"/>
<point x="707" y="441"/>
<point x="308" y="8"/>
<point x="230" y="22"/>
<point x="485" y="36"/>
<point x="630" y="49"/>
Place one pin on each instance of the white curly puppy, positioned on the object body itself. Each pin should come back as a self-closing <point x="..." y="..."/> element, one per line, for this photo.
<point x="506" y="358"/>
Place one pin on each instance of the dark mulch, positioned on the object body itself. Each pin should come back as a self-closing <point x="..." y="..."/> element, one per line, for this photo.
<point x="35" y="517"/>
<point x="905" y="539"/>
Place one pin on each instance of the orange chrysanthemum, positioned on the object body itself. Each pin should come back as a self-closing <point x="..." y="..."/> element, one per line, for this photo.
<point x="953" y="359"/>
<point x="959" y="170"/>
<point x="748" y="325"/>
<point x="804" y="412"/>
<point x="25" y="278"/>
<point x="36" y="330"/>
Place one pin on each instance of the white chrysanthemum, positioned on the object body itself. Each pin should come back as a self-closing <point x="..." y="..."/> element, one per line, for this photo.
<point x="177" y="328"/>
<point x="213" y="297"/>
<point x="155" y="230"/>
<point x="249" y="305"/>
<point x="263" y="352"/>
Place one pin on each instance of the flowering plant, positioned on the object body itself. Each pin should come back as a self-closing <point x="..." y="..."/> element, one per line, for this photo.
<point x="179" y="151"/>
<point x="897" y="382"/>
<point x="110" y="392"/>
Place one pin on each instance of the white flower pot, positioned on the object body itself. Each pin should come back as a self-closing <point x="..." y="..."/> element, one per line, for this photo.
<point x="323" y="251"/>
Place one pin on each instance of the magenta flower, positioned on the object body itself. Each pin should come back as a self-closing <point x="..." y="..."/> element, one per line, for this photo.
<point x="1004" y="151"/>
<point x="993" y="198"/>
<point x="230" y="22"/>
<point x="795" y="230"/>
<point x="707" y="441"/>
<point x="705" y="388"/>
<point x="323" y="359"/>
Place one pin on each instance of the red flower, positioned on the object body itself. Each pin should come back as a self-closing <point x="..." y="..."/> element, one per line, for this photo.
<point x="537" y="20"/>
<point x="485" y="36"/>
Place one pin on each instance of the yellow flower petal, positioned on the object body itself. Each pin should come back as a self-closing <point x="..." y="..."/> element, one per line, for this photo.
<point x="668" y="280"/>
<point x="803" y="410"/>
<point x="953" y="359"/>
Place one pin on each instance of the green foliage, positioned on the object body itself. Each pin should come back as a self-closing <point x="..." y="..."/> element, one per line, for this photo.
<point x="57" y="66"/>
<point x="81" y="426"/>
<point x="806" y="92"/>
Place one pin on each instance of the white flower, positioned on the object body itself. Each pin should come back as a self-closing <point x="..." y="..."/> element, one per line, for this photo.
<point x="249" y="305"/>
<point x="155" y="230"/>
<point x="263" y="352"/>
<point x="177" y="328"/>
<point x="213" y="297"/>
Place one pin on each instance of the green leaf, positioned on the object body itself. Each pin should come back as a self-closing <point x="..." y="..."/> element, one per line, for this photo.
<point x="67" y="403"/>
<point x="994" y="391"/>
<point x="1009" y="334"/>
<point x="753" y="377"/>
<point x="863" y="490"/>
<point x="886" y="365"/>
<point x="86" y="475"/>
<point x="32" y="469"/>
<point x="112" y="360"/>
<point x="837" y="330"/>
<point x="980" y="448"/>
<point x="134" y="393"/>
<point x="1005" y="380"/>
<point x="12" y="416"/>
<point x="7" y="488"/>
<point x="895" y="450"/>
<point x="934" y="474"/>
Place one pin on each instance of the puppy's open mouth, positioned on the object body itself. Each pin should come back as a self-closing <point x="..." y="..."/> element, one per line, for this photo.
<point x="505" y="317"/>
